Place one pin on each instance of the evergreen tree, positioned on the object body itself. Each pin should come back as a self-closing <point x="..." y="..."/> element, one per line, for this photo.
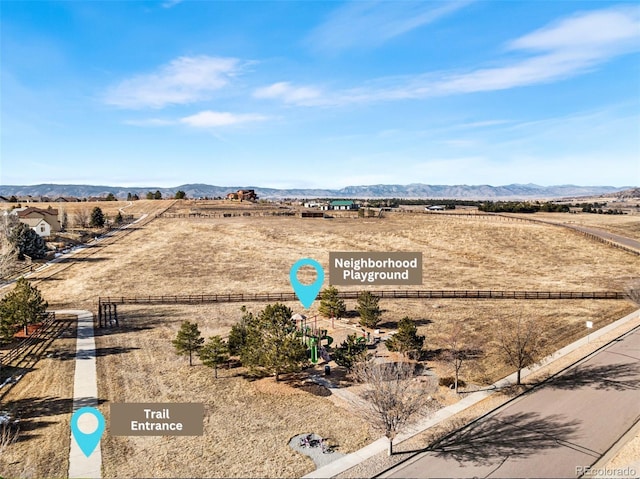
<point x="150" y="195"/>
<point x="238" y="335"/>
<point x="214" y="353"/>
<point x="97" y="218"/>
<point x="27" y="242"/>
<point x="110" y="197"/>
<point x="272" y="343"/>
<point x="368" y="309"/>
<point x="188" y="340"/>
<point x="157" y="195"/>
<point x="350" y="352"/>
<point x="22" y="306"/>
<point x="331" y="305"/>
<point x="180" y="195"/>
<point x="135" y="197"/>
<point x="129" y="197"/>
<point x="118" y="219"/>
<point x="406" y="340"/>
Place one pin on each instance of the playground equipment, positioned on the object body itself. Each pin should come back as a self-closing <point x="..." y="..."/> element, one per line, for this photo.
<point x="313" y="337"/>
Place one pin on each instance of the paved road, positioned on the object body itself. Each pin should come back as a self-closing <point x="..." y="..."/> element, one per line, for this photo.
<point x="568" y="423"/>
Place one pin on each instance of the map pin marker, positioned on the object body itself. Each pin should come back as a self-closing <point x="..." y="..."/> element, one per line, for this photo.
<point x="306" y="293"/>
<point x="88" y="416"/>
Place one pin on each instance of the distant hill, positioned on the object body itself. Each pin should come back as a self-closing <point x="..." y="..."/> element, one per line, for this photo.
<point x="415" y="190"/>
<point x="628" y="194"/>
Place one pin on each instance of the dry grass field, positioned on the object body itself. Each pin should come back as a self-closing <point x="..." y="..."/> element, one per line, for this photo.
<point x="42" y="400"/>
<point x="136" y="363"/>
<point x="248" y="424"/>
<point x="227" y="255"/>
<point x="624" y="225"/>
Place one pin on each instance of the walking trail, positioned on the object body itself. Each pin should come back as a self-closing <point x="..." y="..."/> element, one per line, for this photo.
<point x="85" y="393"/>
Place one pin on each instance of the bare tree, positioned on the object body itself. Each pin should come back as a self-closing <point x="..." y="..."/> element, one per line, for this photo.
<point x="8" y="253"/>
<point x="395" y="396"/>
<point x="81" y="218"/>
<point x="633" y="291"/>
<point x="461" y="345"/>
<point x="521" y="342"/>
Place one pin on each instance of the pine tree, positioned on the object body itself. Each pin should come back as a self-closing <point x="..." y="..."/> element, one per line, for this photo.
<point x="157" y="195"/>
<point x="272" y="343"/>
<point x="97" y="218"/>
<point x="27" y="242"/>
<point x="188" y="340"/>
<point x="22" y="306"/>
<point x="331" y="305"/>
<point x="214" y="353"/>
<point x="180" y="195"/>
<point x="368" y="309"/>
<point x="406" y="340"/>
<point x="350" y="352"/>
<point x="118" y="219"/>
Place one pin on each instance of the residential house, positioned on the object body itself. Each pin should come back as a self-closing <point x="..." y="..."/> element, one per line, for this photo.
<point x="44" y="222"/>
<point x="341" y="205"/>
<point x="243" y="195"/>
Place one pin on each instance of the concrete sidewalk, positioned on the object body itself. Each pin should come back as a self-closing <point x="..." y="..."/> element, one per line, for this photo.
<point x="380" y="445"/>
<point x="85" y="393"/>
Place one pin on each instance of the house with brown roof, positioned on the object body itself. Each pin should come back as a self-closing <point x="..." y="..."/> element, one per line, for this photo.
<point x="44" y="222"/>
<point x="243" y="195"/>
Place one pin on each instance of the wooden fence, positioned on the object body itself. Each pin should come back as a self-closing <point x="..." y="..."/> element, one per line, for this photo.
<point x="17" y="351"/>
<point x="395" y="294"/>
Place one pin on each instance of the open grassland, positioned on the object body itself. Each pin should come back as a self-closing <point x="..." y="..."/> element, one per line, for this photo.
<point x="623" y="225"/>
<point x="247" y="424"/>
<point x="42" y="401"/>
<point x="229" y="255"/>
<point x="109" y="208"/>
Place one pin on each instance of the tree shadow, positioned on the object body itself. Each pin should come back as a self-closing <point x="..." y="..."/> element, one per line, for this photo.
<point x="516" y="436"/>
<point x="618" y="377"/>
<point x="33" y="414"/>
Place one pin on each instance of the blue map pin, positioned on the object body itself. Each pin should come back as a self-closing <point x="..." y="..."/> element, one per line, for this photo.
<point x="87" y="441"/>
<point x="306" y="293"/>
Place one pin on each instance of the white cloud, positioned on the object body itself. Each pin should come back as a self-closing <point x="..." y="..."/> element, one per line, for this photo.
<point x="182" y="81"/>
<point x="302" y="95"/>
<point x="359" y="24"/>
<point x="567" y="48"/>
<point x="213" y="119"/>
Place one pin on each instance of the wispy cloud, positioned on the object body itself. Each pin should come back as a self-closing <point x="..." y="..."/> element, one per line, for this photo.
<point x="182" y="81"/>
<point x="567" y="48"/>
<point x="212" y="119"/>
<point x="358" y="24"/>
<point x="203" y="119"/>
<point x="300" y="95"/>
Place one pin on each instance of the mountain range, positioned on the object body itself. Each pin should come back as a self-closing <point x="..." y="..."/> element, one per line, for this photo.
<point x="415" y="190"/>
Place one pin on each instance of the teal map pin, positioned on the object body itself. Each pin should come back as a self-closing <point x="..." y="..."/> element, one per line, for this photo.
<point x="306" y="293"/>
<point x="87" y="441"/>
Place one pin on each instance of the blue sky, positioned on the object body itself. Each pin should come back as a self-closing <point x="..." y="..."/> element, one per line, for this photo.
<point x="320" y="94"/>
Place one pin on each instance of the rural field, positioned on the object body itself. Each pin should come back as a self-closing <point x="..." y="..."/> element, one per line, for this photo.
<point x="249" y="423"/>
<point x="624" y="225"/>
